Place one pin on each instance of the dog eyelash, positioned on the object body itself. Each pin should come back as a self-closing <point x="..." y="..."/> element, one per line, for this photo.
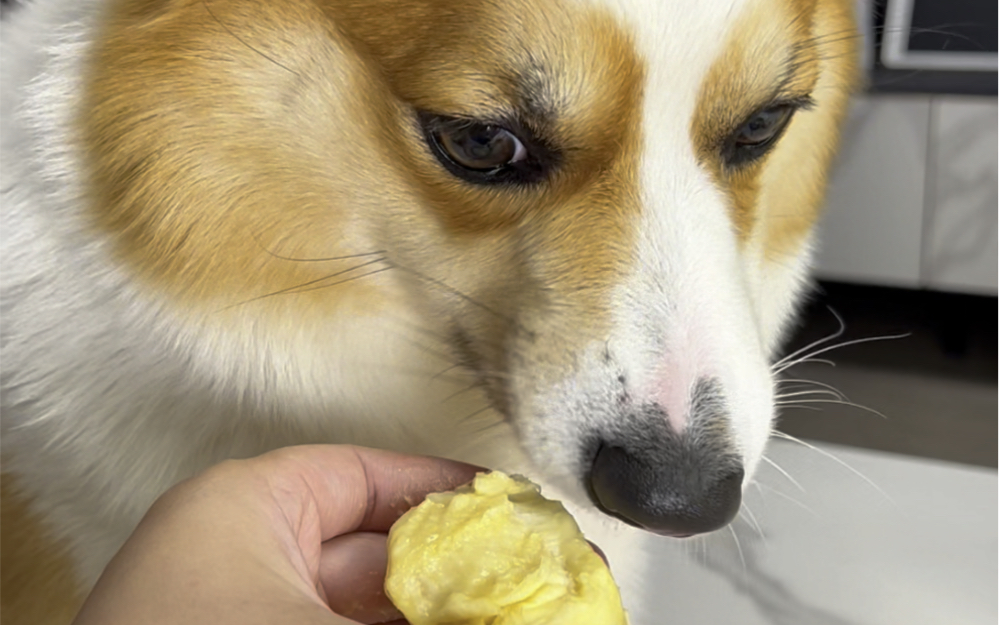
<point x="738" y="153"/>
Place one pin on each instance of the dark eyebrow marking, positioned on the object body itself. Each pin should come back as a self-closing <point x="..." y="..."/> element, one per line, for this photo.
<point x="534" y="83"/>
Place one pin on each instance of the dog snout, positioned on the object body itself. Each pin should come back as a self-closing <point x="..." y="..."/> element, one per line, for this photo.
<point x="678" y="483"/>
<point x="669" y="500"/>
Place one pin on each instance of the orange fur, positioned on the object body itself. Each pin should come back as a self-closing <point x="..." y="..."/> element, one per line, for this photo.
<point x="778" y="197"/>
<point x="230" y="145"/>
<point x="794" y="202"/>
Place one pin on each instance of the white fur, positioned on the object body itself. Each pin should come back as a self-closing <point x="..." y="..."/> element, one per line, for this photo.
<point x="109" y="396"/>
<point x="173" y="397"/>
<point x="682" y="314"/>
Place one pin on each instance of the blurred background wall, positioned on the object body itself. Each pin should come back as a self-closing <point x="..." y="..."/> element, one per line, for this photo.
<point x="908" y="244"/>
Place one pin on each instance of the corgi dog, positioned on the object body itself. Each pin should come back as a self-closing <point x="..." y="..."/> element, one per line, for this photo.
<point x="559" y="237"/>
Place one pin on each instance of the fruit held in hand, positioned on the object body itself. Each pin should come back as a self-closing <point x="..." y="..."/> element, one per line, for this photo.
<point x="496" y="552"/>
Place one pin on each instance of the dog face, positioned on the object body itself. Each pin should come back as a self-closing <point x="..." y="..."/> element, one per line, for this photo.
<point x="604" y="207"/>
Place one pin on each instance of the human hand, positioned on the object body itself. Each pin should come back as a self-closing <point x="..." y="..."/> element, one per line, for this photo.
<point x="294" y="536"/>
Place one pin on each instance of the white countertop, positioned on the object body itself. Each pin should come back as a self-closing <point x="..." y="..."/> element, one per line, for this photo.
<point x="911" y="542"/>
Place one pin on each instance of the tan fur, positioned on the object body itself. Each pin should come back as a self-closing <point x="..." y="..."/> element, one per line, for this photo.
<point x="777" y="198"/>
<point x="306" y="144"/>
<point x="221" y="156"/>
<point x="184" y="171"/>
<point x="37" y="585"/>
<point x="794" y="202"/>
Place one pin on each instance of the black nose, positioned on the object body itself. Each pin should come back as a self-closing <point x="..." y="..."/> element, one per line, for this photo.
<point x="667" y="495"/>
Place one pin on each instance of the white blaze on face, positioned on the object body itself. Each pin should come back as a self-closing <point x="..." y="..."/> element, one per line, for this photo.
<point x="685" y="314"/>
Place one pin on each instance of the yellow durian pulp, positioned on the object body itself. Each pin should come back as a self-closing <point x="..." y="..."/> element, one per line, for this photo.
<point x="497" y="553"/>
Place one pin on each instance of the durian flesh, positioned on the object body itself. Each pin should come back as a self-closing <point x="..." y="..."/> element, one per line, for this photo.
<point x="496" y="552"/>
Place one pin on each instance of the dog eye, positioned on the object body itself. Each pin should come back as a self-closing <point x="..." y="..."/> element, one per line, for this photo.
<point x="764" y="126"/>
<point x="758" y="134"/>
<point x="488" y="152"/>
<point x="481" y="147"/>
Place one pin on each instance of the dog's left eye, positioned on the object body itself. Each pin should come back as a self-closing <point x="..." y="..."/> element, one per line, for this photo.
<point x="764" y="126"/>
<point x="758" y="134"/>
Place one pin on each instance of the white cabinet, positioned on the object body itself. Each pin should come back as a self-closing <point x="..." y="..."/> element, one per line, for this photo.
<point x="912" y="200"/>
<point x="871" y="231"/>
<point x="962" y="219"/>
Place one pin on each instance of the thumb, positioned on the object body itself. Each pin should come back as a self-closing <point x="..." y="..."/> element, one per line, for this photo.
<point x="359" y="595"/>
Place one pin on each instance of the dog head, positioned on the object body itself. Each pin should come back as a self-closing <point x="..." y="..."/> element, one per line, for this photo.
<point x="605" y="207"/>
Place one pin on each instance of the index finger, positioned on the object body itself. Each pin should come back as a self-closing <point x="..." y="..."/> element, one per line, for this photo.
<point x="355" y="488"/>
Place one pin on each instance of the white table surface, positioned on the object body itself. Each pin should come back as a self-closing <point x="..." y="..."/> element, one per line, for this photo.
<point x="911" y="542"/>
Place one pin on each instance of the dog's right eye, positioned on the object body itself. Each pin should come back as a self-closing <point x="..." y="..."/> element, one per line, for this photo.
<point x="483" y="152"/>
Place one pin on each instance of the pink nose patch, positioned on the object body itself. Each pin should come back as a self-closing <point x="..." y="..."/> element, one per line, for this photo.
<point x="672" y="389"/>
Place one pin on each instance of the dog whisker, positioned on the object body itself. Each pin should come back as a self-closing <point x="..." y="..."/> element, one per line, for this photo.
<point x="835" y="459"/>
<point x="780" y="364"/>
<point x="868" y="339"/>
<point x="753" y="522"/>
<point x="441" y="353"/>
<point x="738" y="547"/>
<point x="420" y="373"/>
<point x="802" y="361"/>
<point x="786" y="497"/>
<point x="437" y="351"/>
<point x="344" y="281"/>
<point x="796" y="405"/>
<point x="473" y="414"/>
<point x="300" y="287"/>
<point x="819" y="392"/>
<point x="244" y="42"/>
<point x="471" y="386"/>
<point x="455" y="291"/>
<point x="444" y="371"/>
<point x="781" y="470"/>
<point x="488" y="427"/>
<point x="327" y="259"/>
<point x="800" y="402"/>
<point x="320" y="259"/>
<point x="803" y="391"/>
<point x="809" y="352"/>
<point x="812" y="382"/>
<point x="695" y="548"/>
